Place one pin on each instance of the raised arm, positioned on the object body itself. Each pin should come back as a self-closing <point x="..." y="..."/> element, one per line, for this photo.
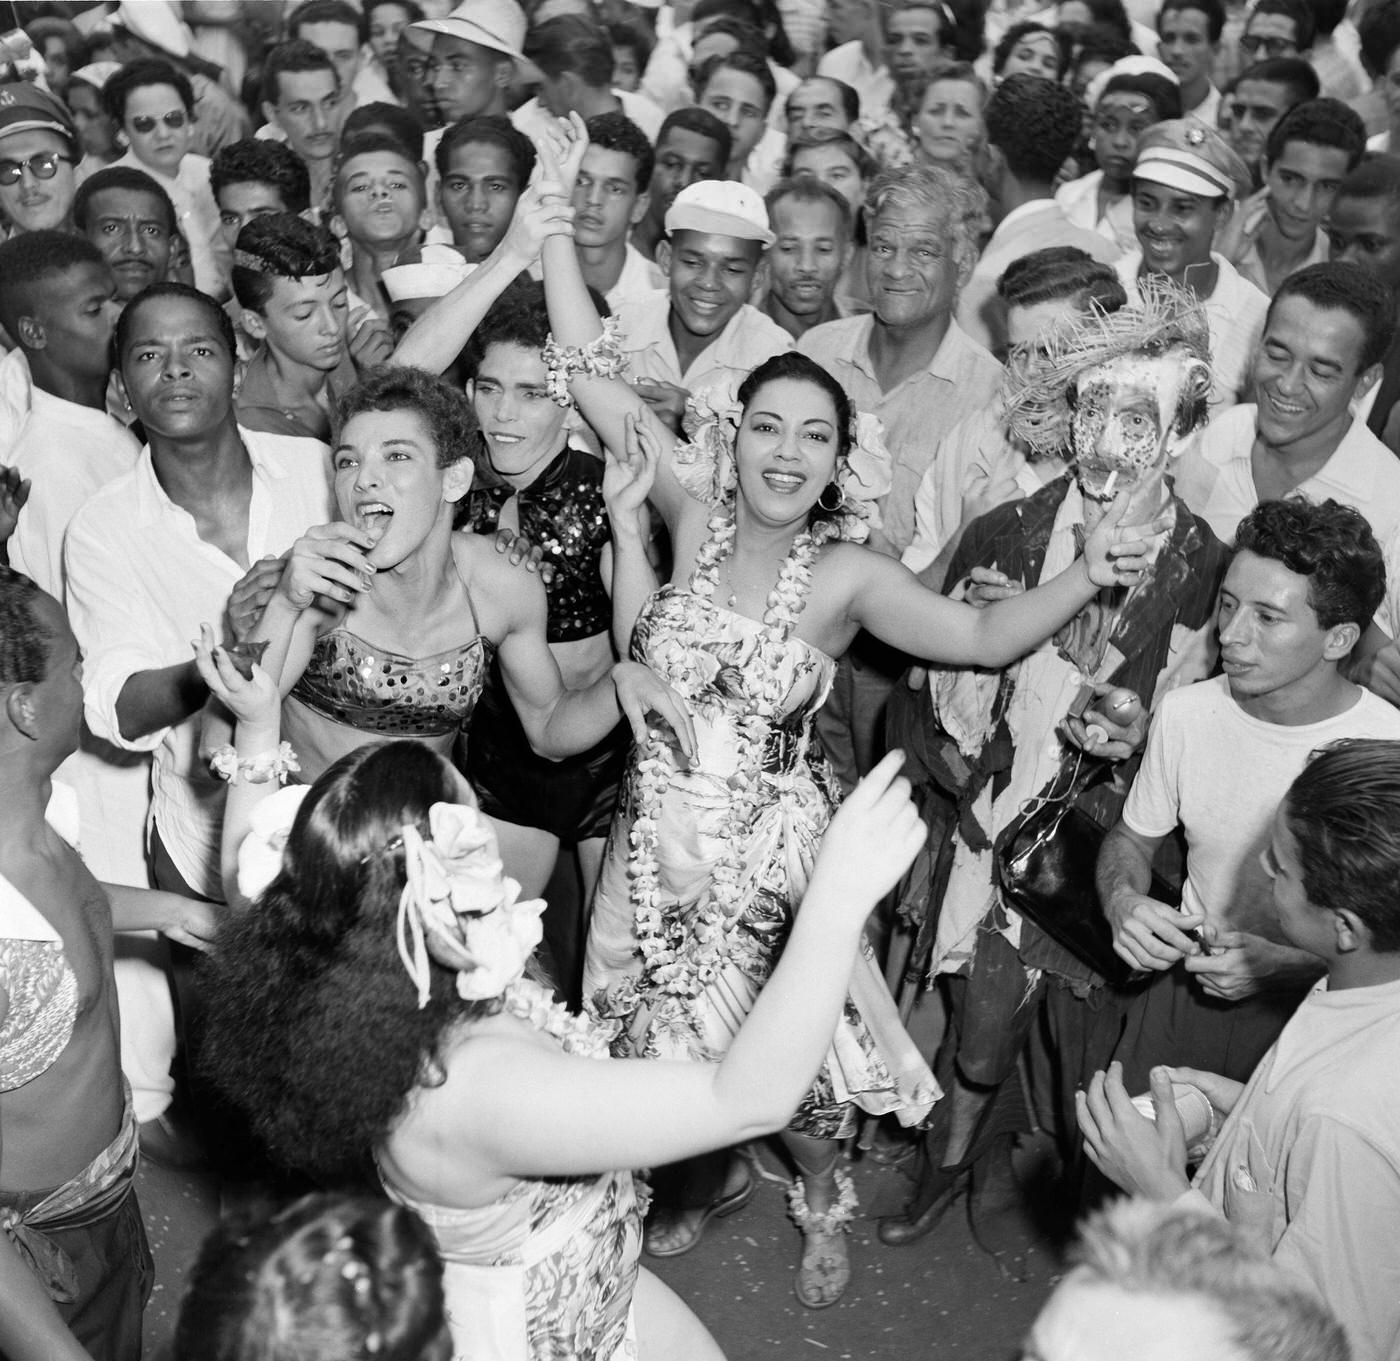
<point x="636" y="1113"/>
<point x="437" y="337"/>
<point x="627" y="482"/>
<point x="607" y="403"/>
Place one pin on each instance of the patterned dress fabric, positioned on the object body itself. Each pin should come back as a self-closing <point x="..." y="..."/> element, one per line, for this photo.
<point x="717" y="660"/>
<point x="547" y="1272"/>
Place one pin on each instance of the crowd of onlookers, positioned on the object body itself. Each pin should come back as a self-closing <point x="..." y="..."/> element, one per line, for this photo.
<point x="284" y="285"/>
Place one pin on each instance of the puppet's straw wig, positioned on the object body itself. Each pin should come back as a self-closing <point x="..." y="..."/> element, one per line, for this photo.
<point x="1040" y="381"/>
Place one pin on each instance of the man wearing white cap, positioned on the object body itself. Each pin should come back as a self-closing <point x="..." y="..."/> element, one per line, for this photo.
<point x="1186" y="181"/>
<point x="701" y="331"/>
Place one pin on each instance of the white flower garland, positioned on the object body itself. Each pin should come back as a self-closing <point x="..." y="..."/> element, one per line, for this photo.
<point x="678" y="964"/>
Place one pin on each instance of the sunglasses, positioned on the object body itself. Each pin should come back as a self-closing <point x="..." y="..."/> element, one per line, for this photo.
<point x="144" y="122"/>
<point x="43" y="166"/>
<point x="1270" y="47"/>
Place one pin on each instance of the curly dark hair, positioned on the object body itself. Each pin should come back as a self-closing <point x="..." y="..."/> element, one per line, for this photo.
<point x="154" y="293"/>
<point x="284" y="246"/>
<point x="31" y="260"/>
<point x="313" y="1025"/>
<point x="746" y="63"/>
<point x="1001" y="54"/>
<point x="1330" y="544"/>
<point x="24" y="640"/>
<point x="1319" y="122"/>
<point x="495" y="130"/>
<point x="259" y="160"/>
<point x="136" y="75"/>
<point x="518" y="317"/>
<point x="617" y="132"/>
<point x="446" y="412"/>
<point x="327" y="1278"/>
<point x="1035" y="124"/>
<point x="1344" y="812"/>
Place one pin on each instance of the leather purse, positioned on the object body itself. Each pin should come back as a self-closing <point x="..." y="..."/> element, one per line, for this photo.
<point x="1045" y="864"/>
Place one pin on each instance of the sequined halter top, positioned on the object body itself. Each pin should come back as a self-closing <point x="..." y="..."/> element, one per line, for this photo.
<point x="353" y="682"/>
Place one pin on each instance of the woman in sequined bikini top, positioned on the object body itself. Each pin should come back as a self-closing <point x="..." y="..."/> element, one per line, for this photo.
<point x="366" y="630"/>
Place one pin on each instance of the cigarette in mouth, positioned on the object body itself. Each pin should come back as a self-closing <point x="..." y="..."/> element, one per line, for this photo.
<point x="1108" y="486"/>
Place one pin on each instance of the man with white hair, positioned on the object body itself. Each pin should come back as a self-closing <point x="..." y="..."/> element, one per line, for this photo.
<point x="909" y="363"/>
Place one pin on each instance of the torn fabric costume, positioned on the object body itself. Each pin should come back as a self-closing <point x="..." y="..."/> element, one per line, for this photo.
<point x="982" y="743"/>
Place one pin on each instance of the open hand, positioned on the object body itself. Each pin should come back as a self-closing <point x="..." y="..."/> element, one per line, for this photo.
<point x="872" y="838"/>
<point x="640" y="691"/>
<point x="14" y="492"/>
<point x="559" y="148"/>
<point x="523" y="553"/>
<point x="629" y="477"/>
<point x="1116" y="554"/>
<point x="1144" y="1157"/>
<point x="253" y="701"/>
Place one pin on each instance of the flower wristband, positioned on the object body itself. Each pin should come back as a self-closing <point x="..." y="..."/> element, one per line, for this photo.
<point x="226" y="763"/>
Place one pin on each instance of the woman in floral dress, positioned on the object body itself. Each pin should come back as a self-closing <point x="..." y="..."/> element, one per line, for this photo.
<point x="376" y="1023"/>
<point x="708" y="861"/>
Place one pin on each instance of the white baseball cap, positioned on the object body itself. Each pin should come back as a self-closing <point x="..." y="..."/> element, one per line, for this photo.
<point x="720" y="208"/>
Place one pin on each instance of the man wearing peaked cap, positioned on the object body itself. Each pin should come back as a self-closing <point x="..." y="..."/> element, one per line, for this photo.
<point x="1186" y="183"/>
<point x="38" y="153"/>
<point x="701" y="331"/>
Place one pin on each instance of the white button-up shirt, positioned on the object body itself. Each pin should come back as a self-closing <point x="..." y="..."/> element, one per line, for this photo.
<point x="140" y="583"/>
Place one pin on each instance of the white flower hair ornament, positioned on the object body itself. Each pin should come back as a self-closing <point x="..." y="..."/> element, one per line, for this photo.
<point x="260" y="855"/>
<point x="705" y="465"/>
<point x="459" y="908"/>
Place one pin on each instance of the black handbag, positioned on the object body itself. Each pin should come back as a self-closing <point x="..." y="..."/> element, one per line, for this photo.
<point x="1045" y="863"/>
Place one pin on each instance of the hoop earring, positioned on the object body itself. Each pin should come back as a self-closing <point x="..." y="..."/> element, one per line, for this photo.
<point x="833" y="489"/>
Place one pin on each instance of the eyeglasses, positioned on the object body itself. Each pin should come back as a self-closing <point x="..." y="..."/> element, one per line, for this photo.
<point x="1270" y="47"/>
<point x="42" y="165"/>
<point x="144" y="122"/>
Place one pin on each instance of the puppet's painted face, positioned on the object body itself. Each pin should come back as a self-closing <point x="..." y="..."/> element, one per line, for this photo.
<point x="1123" y="417"/>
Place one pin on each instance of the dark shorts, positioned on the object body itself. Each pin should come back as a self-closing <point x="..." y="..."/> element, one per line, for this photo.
<point x="572" y="799"/>
<point x="115" y="1273"/>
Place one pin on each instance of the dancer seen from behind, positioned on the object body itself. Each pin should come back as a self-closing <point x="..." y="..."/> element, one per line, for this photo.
<point x="376" y="1022"/>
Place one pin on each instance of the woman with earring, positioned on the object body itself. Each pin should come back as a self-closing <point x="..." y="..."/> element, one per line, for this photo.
<point x="709" y="855"/>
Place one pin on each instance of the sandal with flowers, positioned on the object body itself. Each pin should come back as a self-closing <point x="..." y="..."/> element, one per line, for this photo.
<point x="825" y="1270"/>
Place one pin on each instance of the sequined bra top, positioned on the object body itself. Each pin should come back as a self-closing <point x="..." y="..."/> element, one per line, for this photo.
<point x="562" y="512"/>
<point x="353" y="682"/>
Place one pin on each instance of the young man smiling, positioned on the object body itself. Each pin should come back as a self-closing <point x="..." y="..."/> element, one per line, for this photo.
<point x="702" y="331"/>
<point x="1310" y="151"/>
<point x="1326" y="332"/>
<point x="1263" y="94"/>
<point x="610" y="198"/>
<point x="1186" y="183"/>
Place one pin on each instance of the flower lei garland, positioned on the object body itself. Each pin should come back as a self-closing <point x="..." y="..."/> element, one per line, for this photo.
<point x="678" y="963"/>
<point x="603" y="357"/>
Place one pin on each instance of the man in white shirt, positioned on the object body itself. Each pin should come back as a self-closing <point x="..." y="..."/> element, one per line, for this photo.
<point x="813" y="225"/>
<point x="1299" y="592"/>
<point x="909" y="363"/>
<point x="1034" y="123"/>
<point x="155" y="554"/>
<point x="1307" y="1164"/>
<point x="1326" y="331"/>
<point x="575" y="59"/>
<point x="301" y="96"/>
<point x="702" y="332"/>
<point x="1188" y="38"/>
<point x="1186" y="183"/>
<point x="1310" y="152"/>
<point x="610" y="198"/>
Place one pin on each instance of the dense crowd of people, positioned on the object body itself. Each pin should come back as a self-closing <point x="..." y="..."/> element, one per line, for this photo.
<point x="886" y="513"/>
